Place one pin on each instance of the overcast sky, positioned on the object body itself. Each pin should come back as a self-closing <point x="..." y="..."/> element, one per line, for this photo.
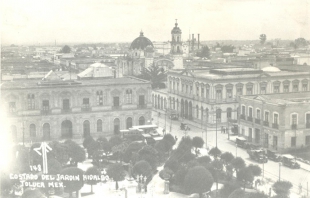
<point x="68" y="21"/>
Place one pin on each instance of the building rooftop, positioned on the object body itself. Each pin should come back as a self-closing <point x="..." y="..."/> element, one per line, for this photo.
<point x="32" y="84"/>
<point x="283" y="98"/>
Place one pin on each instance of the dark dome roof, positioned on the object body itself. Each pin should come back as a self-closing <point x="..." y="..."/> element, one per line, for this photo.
<point x="176" y="29"/>
<point x="141" y="42"/>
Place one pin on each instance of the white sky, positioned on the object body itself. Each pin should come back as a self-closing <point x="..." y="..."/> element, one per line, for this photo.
<point x="68" y="21"/>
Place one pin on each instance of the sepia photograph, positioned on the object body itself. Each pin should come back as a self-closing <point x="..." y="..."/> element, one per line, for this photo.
<point x="155" y="99"/>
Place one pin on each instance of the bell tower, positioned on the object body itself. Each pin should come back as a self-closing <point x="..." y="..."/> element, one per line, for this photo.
<point x="176" y="47"/>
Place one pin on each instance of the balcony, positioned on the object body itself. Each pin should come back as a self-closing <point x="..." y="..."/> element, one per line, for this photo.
<point x="257" y="121"/>
<point x="250" y="119"/>
<point x="275" y="125"/>
<point x="242" y="116"/>
<point x="266" y="123"/>
<point x="85" y="108"/>
<point x="66" y="110"/>
<point x="308" y="125"/>
<point x="116" y="107"/>
<point x="45" y="111"/>
<point x="142" y="106"/>
<point x="294" y="126"/>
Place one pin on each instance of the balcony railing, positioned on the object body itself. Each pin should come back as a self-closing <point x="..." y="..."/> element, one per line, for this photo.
<point x="275" y="125"/>
<point x="250" y="119"/>
<point x="142" y="106"/>
<point x="116" y="107"/>
<point x="257" y="121"/>
<point x="307" y="125"/>
<point x="242" y="116"/>
<point x="66" y="110"/>
<point x="266" y="123"/>
<point x="294" y="126"/>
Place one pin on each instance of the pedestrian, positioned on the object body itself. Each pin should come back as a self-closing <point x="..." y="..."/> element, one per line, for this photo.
<point x="224" y="130"/>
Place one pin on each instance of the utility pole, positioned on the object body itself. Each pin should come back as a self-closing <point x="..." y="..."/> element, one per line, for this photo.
<point x="215" y="127"/>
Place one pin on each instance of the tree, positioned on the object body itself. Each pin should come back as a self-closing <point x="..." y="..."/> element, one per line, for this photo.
<point x="133" y="147"/>
<point x="204" y="52"/>
<point x="262" y="38"/>
<point x="104" y="144"/>
<point x="256" y="170"/>
<point x="172" y="164"/>
<point x="166" y="174"/>
<point x="198" y="180"/>
<point x="300" y="42"/>
<point x="216" y="168"/>
<point x="227" y="157"/>
<point x="54" y="167"/>
<point x="6" y="185"/>
<point x="245" y="175"/>
<point x="29" y="193"/>
<point x="115" y="140"/>
<point x="156" y="74"/>
<point x="179" y="176"/>
<point x="228" y="188"/>
<point x="238" y="193"/>
<point x="227" y="48"/>
<point x="149" y="154"/>
<point x="215" y="152"/>
<point x="88" y="141"/>
<point x="66" y="49"/>
<point x="197" y="143"/>
<point x="203" y="160"/>
<point x="185" y="143"/>
<point x="142" y="168"/>
<point x="21" y="161"/>
<point x="116" y="172"/>
<point x="73" y="185"/>
<point x="170" y="139"/>
<point x="282" y="188"/>
<point x="92" y="171"/>
<point x="59" y="151"/>
<point x="238" y="163"/>
<point x="75" y="151"/>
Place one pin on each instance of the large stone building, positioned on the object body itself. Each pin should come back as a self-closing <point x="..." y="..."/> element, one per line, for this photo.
<point x="277" y="121"/>
<point x="210" y="95"/>
<point x="54" y="108"/>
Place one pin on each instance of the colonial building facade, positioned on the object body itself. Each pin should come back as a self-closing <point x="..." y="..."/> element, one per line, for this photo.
<point x="278" y="121"/>
<point x="54" y="108"/>
<point x="211" y="95"/>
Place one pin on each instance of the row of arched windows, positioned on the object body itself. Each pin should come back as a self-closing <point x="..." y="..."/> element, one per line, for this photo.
<point x="66" y="128"/>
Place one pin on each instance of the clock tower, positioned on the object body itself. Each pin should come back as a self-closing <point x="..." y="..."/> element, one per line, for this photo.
<point x="176" y="47"/>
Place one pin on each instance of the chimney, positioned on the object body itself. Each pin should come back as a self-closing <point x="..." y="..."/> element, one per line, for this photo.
<point x="193" y="41"/>
<point x="198" y="40"/>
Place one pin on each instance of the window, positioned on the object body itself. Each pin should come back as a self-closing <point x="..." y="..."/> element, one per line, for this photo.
<point x="243" y="110"/>
<point x="191" y="89"/>
<point x="128" y="123"/>
<point x="218" y="115"/>
<point x="85" y="103"/>
<point x="293" y="141"/>
<point x="218" y="94"/>
<point x="239" y="91"/>
<point x="275" y="118"/>
<point x="177" y="86"/>
<point x="99" y="97"/>
<point x="285" y="88"/>
<point x="266" y="116"/>
<point x="186" y="91"/>
<point x="86" y="128"/>
<point x="31" y="102"/>
<point x="116" y="101"/>
<point x="173" y="85"/>
<point x="207" y="93"/>
<point x="304" y="87"/>
<point x="276" y="89"/>
<point x="308" y="120"/>
<point x="229" y="93"/>
<point x="45" y="105"/>
<point x="249" y="90"/>
<point x="202" y="92"/>
<point x="99" y="125"/>
<point x="258" y="113"/>
<point x="182" y="87"/>
<point x="307" y="142"/>
<point x="32" y="130"/>
<point x="229" y="110"/>
<point x="128" y="96"/>
<point x="12" y="107"/>
<point x="66" y="104"/>
<point x="295" y="88"/>
<point x="197" y="91"/>
<point x="141" y="100"/>
<point x="294" y="119"/>
<point x="263" y="90"/>
<point x="250" y="112"/>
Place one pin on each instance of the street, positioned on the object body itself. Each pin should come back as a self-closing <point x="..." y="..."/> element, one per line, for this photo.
<point x="271" y="169"/>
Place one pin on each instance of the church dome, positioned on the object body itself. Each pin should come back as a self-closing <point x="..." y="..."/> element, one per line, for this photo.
<point x="141" y="42"/>
<point x="176" y="29"/>
<point x="271" y="69"/>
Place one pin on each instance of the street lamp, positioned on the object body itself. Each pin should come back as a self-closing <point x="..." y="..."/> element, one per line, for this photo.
<point x="141" y="187"/>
